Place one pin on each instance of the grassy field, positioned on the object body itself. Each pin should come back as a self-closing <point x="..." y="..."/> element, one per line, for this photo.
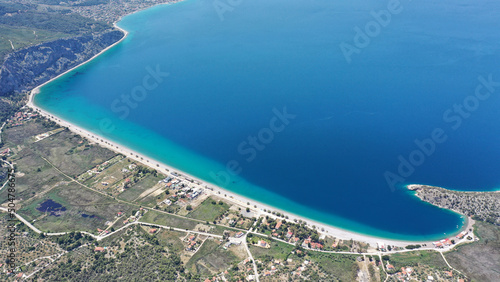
<point x="64" y="151"/>
<point x="34" y="176"/>
<point x="77" y="201"/>
<point x="479" y="260"/>
<point x="211" y="258"/>
<point x="38" y="178"/>
<point x="41" y="169"/>
<point x="431" y="258"/>
<point x="35" y="160"/>
<point x="219" y="230"/>
<point x="20" y="135"/>
<point x="169" y="220"/>
<point x="132" y="194"/>
<point x="23" y="37"/>
<point x="278" y="250"/>
<point x="171" y="239"/>
<point x="153" y="199"/>
<point x="111" y="174"/>
<point x="208" y="211"/>
<point x="338" y="266"/>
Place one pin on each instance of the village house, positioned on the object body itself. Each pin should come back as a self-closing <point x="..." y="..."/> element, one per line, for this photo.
<point x="317" y="246"/>
<point x="263" y="244"/>
<point x="278" y="225"/>
<point x="5" y="152"/>
<point x="461" y="234"/>
<point x="100" y="249"/>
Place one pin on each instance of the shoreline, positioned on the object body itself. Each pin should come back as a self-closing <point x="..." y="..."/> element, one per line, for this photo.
<point x="416" y="187"/>
<point x="208" y="187"/>
<point x="36" y="90"/>
<point x="220" y="192"/>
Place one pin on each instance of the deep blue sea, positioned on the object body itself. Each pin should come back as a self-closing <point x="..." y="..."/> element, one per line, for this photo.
<point x="323" y="108"/>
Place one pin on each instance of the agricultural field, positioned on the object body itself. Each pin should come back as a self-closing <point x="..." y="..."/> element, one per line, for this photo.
<point x="42" y="166"/>
<point x="171" y="239"/>
<point x="114" y="172"/>
<point x="65" y="183"/>
<point x="73" y="208"/>
<point x="335" y="266"/>
<point x="22" y="37"/>
<point x="172" y="221"/>
<point x="44" y="178"/>
<point x="209" y="210"/>
<point x="147" y="185"/>
<point x="70" y="153"/>
<point x="418" y="258"/>
<point x="479" y="260"/>
<point x="211" y="259"/>
<point x="277" y="250"/>
<point x="122" y="178"/>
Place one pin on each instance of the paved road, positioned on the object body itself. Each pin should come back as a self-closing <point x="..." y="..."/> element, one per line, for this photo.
<point x="219" y="236"/>
<point x="251" y="257"/>
<point x="160" y="226"/>
<point x="23" y="220"/>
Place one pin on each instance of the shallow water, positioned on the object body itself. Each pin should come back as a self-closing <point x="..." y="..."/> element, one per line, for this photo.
<point x="357" y="128"/>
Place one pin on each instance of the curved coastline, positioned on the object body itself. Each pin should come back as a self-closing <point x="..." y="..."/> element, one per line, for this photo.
<point x="164" y="168"/>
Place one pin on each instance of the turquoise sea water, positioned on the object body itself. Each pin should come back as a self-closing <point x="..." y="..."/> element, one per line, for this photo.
<point x="230" y="70"/>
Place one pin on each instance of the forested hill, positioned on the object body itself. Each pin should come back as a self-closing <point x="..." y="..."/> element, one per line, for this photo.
<point x="34" y="39"/>
<point x="40" y="39"/>
<point x="23" y="25"/>
<point x="32" y="66"/>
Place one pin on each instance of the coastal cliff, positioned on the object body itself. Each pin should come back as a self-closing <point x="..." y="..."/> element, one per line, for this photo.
<point x="32" y="66"/>
<point x="484" y="206"/>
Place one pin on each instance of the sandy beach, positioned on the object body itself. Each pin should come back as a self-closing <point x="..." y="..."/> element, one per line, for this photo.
<point x="208" y="187"/>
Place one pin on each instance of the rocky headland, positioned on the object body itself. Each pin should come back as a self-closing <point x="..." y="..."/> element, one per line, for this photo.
<point x="484" y="206"/>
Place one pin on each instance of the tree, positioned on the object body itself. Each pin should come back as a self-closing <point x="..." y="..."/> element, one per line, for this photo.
<point x="189" y="208"/>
